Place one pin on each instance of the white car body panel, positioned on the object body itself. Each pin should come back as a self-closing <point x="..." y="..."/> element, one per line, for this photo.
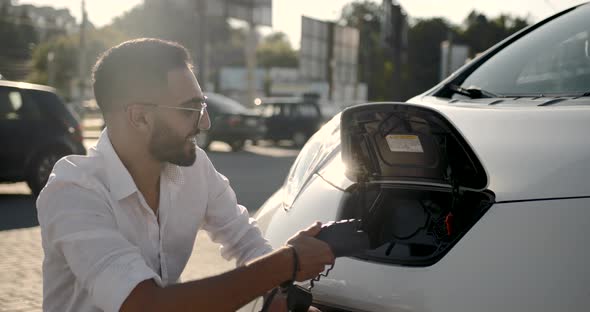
<point x="490" y="269"/>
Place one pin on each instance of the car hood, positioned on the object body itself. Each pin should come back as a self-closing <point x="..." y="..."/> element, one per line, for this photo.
<point x="528" y="151"/>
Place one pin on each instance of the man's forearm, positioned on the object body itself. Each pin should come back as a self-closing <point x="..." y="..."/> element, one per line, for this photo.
<point x="225" y="292"/>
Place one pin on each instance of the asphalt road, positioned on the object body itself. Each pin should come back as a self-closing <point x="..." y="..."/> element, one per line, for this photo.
<point x="254" y="174"/>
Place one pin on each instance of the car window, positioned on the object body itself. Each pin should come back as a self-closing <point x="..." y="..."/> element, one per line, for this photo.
<point x="306" y="110"/>
<point x="285" y="110"/>
<point x="311" y="157"/>
<point x="268" y="111"/>
<point x="15" y="105"/>
<point x="52" y="105"/>
<point x="553" y="59"/>
<point x="223" y="104"/>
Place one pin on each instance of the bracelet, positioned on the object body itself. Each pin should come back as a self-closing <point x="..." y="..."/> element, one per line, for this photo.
<point x="284" y="286"/>
<point x="288" y="283"/>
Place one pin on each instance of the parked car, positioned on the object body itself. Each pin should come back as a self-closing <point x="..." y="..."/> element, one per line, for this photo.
<point x="290" y="118"/>
<point x="231" y="122"/>
<point x="474" y="194"/>
<point x="36" y="130"/>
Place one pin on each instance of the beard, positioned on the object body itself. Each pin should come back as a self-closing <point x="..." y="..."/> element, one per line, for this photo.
<point x="166" y="146"/>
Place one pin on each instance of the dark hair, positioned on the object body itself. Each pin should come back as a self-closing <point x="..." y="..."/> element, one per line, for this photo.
<point x="135" y="67"/>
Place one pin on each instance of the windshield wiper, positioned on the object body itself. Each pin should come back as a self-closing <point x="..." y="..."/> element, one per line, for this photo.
<point x="472" y="92"/>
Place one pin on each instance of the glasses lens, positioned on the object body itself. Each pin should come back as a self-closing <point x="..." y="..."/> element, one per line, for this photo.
<point x="203" y="123"/>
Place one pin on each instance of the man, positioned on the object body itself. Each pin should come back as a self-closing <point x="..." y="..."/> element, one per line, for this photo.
<point x="118" y="225"/>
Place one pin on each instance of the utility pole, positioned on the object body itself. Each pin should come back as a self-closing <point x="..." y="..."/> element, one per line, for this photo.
<point x="51" y="69"/>
<point x="202" y="43"/>
<point x="251" y="62"/>
<point x="250" y="52"/>
<point x="331" y="61"/>
<point x="82" y="55"/>
<point x="449" y="59"/>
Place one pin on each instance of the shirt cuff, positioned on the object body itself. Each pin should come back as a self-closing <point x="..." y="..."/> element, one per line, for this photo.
<point x="116" y="282"/>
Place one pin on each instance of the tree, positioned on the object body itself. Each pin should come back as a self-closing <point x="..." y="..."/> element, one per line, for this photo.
<point x="275" y="51"/>
<point x="65" y="50"/>
<point x="365" y="16"/>
<point x="480" y="33"/>
<point x="180" y="24"/>
<point x="18" y="36"/>
<point x="424" y="39"/>
<point x="421" y="71"/>
<point x="159" y="21"/>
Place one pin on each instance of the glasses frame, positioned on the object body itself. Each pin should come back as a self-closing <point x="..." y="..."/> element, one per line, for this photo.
<point x="201" y="110"/>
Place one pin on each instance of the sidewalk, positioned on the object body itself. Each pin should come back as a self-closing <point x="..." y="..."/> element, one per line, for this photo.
<point x="20" y="270"/>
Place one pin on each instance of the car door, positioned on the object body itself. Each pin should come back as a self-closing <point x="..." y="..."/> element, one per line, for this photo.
<point x="19" y="123"/>
<point x="276" y="121"/>
<point x="306" y="118"/>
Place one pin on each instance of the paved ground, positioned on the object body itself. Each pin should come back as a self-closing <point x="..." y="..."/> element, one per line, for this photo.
<point x="22" y="255"/>
<point x="20" y="270"/>
<point x="254" y="173"/>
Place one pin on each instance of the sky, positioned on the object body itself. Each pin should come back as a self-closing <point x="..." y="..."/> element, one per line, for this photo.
<point x="287" y="13"/>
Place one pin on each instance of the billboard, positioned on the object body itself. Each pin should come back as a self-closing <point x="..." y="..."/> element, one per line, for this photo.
<point x="314" y="51"/>
<point x="345" y="54"/>
<point x="329" y="52"/>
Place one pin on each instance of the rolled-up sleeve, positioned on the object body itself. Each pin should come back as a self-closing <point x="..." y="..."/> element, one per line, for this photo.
<point x="79" y="225"/>
<point x="229" y="224"/>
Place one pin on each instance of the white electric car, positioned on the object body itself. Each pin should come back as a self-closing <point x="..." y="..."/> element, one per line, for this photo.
<point x="475" y="194"/>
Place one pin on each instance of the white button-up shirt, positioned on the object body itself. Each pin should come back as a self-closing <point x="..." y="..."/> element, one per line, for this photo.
<point x="101" y="239"/>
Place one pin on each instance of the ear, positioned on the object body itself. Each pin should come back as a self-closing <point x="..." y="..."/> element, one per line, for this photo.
<point x="140" y="118"/>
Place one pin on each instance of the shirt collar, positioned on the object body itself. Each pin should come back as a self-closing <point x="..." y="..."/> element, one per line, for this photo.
<point x="121" y="183"/>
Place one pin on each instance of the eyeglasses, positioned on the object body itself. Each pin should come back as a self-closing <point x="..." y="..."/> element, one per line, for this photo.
<point x="203" y="122"/>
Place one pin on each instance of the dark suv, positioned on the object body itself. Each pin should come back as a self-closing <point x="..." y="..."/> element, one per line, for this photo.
<point x="291" y="118"/>
<point x="231" y="123"/>
<point x="36" y="130"/>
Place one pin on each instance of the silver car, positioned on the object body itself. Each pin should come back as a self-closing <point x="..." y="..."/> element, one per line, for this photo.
<point x="475" y="194"/>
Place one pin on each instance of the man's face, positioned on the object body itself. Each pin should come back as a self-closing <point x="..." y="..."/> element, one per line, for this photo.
<point x="173" y="136"/>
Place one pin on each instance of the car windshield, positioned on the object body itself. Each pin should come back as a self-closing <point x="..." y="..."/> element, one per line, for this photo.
<point x="553" y="59"/>
<point x="225" y="104"/>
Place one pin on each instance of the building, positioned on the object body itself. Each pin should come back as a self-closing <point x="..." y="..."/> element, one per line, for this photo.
<point x="47" y="21"/>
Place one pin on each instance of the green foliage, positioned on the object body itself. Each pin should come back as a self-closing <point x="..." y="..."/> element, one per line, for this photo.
<point x="159" y="21"/>
<point x="421" y="71"/>
<point x="373" y="66"/>
<point x="480" y="33"/>
<point x="66" y="51"/>
<point x="275" y="51"/>
<point x="226" y="45"/>
<point x="423" y="64"/>
<point x="17" y="37"/>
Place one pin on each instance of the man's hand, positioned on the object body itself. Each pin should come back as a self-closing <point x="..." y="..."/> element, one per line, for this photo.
<point x="313" y="254"/>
